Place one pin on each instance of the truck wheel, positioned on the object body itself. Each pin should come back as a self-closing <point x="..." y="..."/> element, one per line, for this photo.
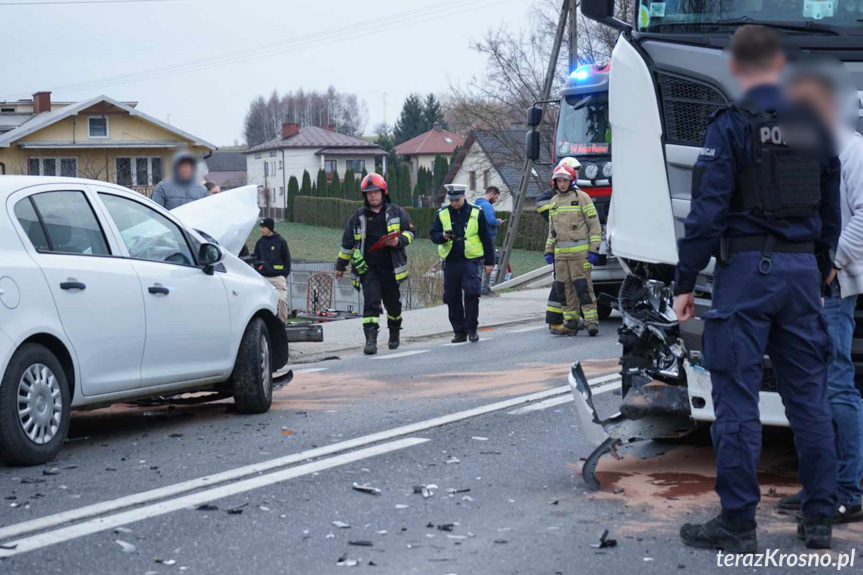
<point x="603" y="309"/>
<point x="34" y="407"/>
<point x="252" y="379"/>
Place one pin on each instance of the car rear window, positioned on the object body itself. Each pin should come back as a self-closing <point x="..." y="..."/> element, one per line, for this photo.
<point x="62" y="222"/>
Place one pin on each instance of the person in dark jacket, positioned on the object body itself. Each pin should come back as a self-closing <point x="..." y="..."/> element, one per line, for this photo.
<point x="374" y="243"/>
<point x="183" y="187"/>
<point x="274" y="262"/>
<point x="465" y="246"/>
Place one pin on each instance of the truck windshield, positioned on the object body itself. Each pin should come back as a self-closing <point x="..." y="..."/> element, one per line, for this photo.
<point x="795" y="16"/>
<point x="583" y="126"/>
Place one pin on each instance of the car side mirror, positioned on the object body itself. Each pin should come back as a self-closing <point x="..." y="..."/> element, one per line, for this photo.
<point x="531" y="145"/>
<point x="208" y="256"/>
<point x="534" y="116"/>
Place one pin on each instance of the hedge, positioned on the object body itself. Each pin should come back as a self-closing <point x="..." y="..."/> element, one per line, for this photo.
<point x="334" y="213"/>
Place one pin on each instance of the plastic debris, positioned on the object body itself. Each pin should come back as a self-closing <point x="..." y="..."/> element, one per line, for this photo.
<point x="125" y="530"/>
<point x="501" y="541"/>
<point x="382" y="532"/>
<point x="207" y="507"/>
<point x="446" y="526"/>
<point x="52" y="471"/>
<point x="237" y="510"/>
<point x="330" y="536"/>
<point x="366" y="489"/>
<point x="604" y="541"/>
<point x="453" y="491"/>
<point x="31" y="480"/>
<point x="167" y="562"/>
<point x="8" y="546"/>
<point x="126" y="547"/>
<point x="345" y="562"/>
<point x="480" y="438"/>
<point x="646" y="559"/>
<point x="361" y="543"/>
<point x="286" y="431"/>
<point x="402" y="506"/>
<point x="341" y="525"/>
<point x="452" y="460"/>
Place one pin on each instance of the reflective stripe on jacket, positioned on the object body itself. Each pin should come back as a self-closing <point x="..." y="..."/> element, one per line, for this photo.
<point x="573" y="224"/>
<point x="354" y="237"/>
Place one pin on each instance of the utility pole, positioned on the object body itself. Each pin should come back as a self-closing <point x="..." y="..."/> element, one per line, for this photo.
<point x="519" y="199"/>
<point x="573" y="38"/>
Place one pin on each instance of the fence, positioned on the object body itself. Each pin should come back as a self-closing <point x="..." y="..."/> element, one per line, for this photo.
<point x="333" y="213"/>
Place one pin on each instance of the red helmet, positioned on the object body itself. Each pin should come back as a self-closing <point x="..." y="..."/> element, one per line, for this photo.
<point x="563" y="171"/>
<point x="374" y="182"/>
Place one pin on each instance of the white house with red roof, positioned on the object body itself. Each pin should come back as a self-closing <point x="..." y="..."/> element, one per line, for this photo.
<point x="421" y="151"/>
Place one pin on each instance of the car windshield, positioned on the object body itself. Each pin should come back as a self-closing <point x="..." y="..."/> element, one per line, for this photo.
<point x="583" y="126"/>
<point x="795" y="16"/>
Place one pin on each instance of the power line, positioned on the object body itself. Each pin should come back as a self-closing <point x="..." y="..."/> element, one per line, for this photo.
<point x="60" y="2"/>
<point x="313" y="40"/>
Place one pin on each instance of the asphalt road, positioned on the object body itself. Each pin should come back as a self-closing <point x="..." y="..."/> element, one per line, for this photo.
<point x="482" y="423"/>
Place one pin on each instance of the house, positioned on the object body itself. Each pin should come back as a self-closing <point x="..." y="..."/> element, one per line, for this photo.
<point x="496" y="158"/>
<point x="100" y="138"/>
<point x="311" y="148"/>
<point x="227" y="167"/>
<point x="420" y="152"/>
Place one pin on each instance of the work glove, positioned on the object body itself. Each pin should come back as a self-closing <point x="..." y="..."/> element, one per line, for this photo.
<point x="549" y="259"/>
<point x="359" y="262"/>
<point x="593" y="258"/>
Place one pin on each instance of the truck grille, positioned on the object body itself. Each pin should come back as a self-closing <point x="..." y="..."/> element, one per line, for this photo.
<point x="688" y="106"/>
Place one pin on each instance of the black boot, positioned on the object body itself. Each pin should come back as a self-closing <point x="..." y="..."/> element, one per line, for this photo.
<point x="460" y="337"/>
<point x="371" y="331"/>
<point x="816" y="531"/>
<point x="472" y="335"/>
<point x="592" y="329"/>
<point x="791" y="502"/>
<point x="395" y="328"/>
<point x="721" y="533"/>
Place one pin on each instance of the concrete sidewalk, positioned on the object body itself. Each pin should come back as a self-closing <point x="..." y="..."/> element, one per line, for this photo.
<point x="347" y="335"/>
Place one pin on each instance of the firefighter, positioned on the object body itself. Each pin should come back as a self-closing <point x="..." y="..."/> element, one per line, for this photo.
<point x="557" y="295"/>
<point x="574" y="235"/>
<point x="374" y="243"/>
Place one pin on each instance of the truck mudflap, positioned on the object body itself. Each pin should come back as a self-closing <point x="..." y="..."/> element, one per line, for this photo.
<point x="650" y="409"/>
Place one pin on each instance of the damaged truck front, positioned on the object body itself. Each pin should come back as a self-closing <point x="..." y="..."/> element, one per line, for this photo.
<point x="669" y="75"/>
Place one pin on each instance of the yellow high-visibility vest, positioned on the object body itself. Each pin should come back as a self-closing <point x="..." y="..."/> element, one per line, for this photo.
<point x="472" y="242"/>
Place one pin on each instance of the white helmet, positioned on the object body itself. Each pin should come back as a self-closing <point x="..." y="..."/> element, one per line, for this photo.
<point x="571" y="162"/>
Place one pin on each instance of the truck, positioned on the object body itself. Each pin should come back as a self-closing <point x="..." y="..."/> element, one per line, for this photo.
<point x="669" y="76"/>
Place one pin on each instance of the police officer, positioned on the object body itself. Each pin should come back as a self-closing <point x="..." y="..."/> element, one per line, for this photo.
<point x="769" y="208"/>
<point x="374" y="243"/>
<point x="465" y="246"/>
<point x="574" y="235"/>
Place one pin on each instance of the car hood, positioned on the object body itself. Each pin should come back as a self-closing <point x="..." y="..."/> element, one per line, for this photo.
<point x="229" y="216"/>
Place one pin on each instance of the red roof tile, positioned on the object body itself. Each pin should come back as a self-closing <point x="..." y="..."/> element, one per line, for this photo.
<point x="435" y="141"/>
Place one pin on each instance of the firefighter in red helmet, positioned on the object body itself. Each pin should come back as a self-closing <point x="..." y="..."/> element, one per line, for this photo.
<point x="374" y="243"/>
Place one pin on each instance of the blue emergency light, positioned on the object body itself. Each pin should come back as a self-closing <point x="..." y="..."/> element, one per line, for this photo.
<point x="581" y="73"/>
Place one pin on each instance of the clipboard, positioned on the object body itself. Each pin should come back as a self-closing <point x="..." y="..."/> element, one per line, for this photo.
<point x="381" y="243"/>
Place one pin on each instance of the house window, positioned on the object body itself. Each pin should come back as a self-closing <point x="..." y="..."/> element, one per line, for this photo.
<point x="272" y="154"/>
<point x="281" y="165"/>
<point x="485" y="180"/>
<point x="266" y="169"/>
<point x="330" y="166"/>
<point x="97" y="126"/>
<point x="66" y="167"/>
<point x="357" y="166"/>
<point x="473" y="181"/>
<point x="139" y="172"/>
<point x="257" y="156"/>
<point x="7" y="110"/>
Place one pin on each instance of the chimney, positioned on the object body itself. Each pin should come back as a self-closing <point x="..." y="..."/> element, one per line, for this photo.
<point x="41" y="102"/>
<point x="289" y="130"/>
<point x="438" y="128"/>
<point x="331" y="127"/>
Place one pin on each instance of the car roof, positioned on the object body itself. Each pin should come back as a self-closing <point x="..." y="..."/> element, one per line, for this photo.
<point x="12" y="184"/>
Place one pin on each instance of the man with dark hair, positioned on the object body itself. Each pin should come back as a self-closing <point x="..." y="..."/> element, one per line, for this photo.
<point x="765" y="210"/>
<point x="274" y="262"/>
<point x="486" y="204"/>
<point x="182" y="187"/>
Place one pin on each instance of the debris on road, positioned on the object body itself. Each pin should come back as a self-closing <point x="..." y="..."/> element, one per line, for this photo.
<point x="52" y="471"/>
<point x="361" y="543"/>
<point x="452" y="491"/>
<point x="31" y="480"/>
<point x="124" y="530"/>
<point x="345" y="562"/>
<point x="446" y="527"/>
<point x="452" y="460"/>
<point x="480" y="438"/>
<point x="402" y="506"/>
<point x="341" y="524"/>
<point x="286" y="431"/>
<point x="8" y="546"/>
<point x="126" y="547"/>
<point x="604" y="541"/>
<point x="238" y="509"/>
<point x="426" y="490"/>
<point x="167" y="562"/>
<point x="207" y="507"/>
<point x="366" y="489"/>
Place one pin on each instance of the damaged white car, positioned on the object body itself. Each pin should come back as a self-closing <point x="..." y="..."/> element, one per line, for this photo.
<point x="105" y="297"/>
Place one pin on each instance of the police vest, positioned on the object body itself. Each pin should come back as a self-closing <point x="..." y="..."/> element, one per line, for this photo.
<point x="472" y="243"/>
<point x="782" y="181"/>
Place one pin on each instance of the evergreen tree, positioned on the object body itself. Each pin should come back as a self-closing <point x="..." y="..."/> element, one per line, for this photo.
<point x="432" y="113"/>
<point x="306" y="187"/>
<point x="393" y="184"/>
<point x="405" y="186"/>
<point x="322" y="185"/>
<point x="350" y="185"/>
<point x="441" y="168"/>
<point x="336" y="186"/>
<point x="364" y="174"/>
<point x="410" y="123"/>
<point x="293" y="191"/>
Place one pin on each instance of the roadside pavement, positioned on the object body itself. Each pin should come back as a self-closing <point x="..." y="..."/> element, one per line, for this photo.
<point x="508" y="308"/>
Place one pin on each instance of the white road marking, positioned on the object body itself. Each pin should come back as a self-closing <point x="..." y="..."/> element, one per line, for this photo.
<point x="111" y="521"/>
<point x="104" y="507"/>
<point x="310" y="370"/>
<point x="526" y="329"/>
<point x="401" y="354"/>
<point x="464" y="342"/>
<point x="596" y="387"/>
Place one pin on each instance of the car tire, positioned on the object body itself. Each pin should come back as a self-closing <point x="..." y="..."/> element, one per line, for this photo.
<point x="36" y="436"/>
<point x="603" y="309"/>
<point x="252" y="379"/>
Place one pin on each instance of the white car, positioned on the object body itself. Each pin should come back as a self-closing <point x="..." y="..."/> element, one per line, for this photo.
<point x="106" y="297"/>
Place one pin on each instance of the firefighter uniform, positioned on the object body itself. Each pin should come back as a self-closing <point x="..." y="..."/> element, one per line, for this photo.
<point x="767" y="211"/>
<point x="574" y="231"/>
<point x="557" y="294"/>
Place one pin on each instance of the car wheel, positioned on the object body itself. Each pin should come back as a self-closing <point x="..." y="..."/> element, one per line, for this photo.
<point x="34" y="407"/>
<point x="252" y="379"/>
<point x="603" y="309"/>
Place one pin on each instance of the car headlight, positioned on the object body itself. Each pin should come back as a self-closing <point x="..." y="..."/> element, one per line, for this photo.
<point x="591" y="171"/>
<point x="606" y="170"/>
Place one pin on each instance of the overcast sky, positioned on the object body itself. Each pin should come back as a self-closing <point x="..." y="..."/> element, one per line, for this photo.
<point x="414" y="45"/>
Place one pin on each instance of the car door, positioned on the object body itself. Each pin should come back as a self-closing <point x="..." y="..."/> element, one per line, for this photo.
<point x="188" y="317"/>
<point x="97" y="295"/>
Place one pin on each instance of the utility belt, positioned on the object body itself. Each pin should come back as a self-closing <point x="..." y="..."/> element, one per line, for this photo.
<point x="767" y="244"/>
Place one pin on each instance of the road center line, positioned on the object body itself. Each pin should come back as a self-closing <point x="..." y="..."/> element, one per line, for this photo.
<point x="401" y="354"/>
<point x="111" y="521"/>
<point x="104" y="507"/>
